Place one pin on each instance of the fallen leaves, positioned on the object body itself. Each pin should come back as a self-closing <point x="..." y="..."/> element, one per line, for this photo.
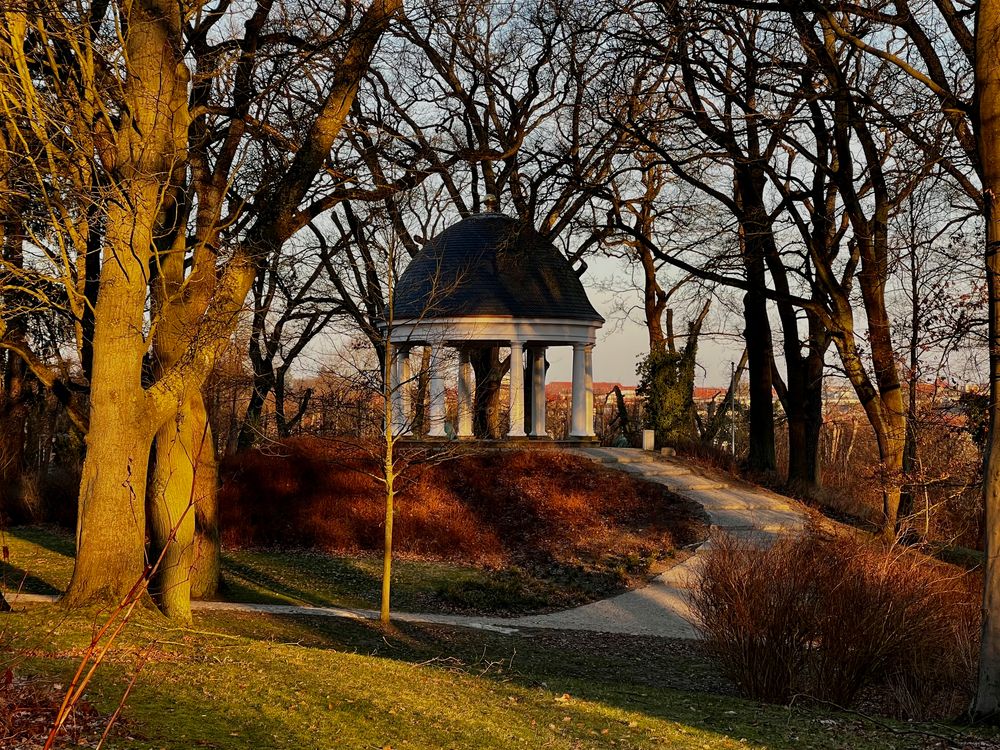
<point x="28" y="708"/>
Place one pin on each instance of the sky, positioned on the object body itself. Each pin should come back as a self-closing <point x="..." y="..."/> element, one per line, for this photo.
<point x="622" y="341"/>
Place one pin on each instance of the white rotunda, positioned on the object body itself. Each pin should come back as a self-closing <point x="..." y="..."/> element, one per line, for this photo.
<point x="492" y="280"/>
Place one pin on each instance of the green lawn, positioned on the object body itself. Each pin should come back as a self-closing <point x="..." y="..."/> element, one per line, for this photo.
<point x="304" y="577"/>
<point x="36" y="560"/>
<point x="237" y="681"/>
<point x="40" y="562"/>
<point x="249" y="681"/>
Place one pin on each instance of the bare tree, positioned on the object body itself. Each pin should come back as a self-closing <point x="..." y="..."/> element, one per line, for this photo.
<point x="164" y="145"/>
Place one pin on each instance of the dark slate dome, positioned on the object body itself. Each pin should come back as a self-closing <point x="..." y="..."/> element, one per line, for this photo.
<point x="491" y="264"/>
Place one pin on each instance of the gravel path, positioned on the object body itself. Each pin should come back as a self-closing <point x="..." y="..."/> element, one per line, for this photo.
<point x="657" y="609"/>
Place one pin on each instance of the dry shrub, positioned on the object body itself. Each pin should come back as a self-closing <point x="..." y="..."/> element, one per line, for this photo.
<point x="946" y="500"/>
<point x="487" y="508"/>
<point x="830" y="617"/>
<point x="709" y="456"/>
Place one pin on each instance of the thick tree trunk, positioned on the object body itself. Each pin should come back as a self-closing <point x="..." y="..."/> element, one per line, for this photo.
<point x="987" y="701"/>
<point x="761" y="456"/>
<point x="111" y="526"/>
<point x="812" y="472"/>
<point x="183" y="518"/>
<point x="13" y="420"/>
<point x="756" y="239"/>
<point x="797" y="458"/>
<point x="111" y="522"/>
<point x="489" y="372"/>
<point x="171" y="515"/>
<point x="804" y="410"/>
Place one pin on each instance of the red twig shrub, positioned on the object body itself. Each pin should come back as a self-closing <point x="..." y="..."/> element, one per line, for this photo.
<point x="488" y="508"/>
<point x="828" y="617"/>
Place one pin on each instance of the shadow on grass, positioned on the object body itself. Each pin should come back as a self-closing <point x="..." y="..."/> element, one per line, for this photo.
<point x="529" y="657"/>
<point x="358" y="703"/>
<point x="435" y="687"/>
<point x="39" y="559"/>
<point x="54" y="539"/>
<point x="17" y="580"/>
<point x="245" y="582"/>
<point x="423" y="690"/>
<point x="672" y="682"/>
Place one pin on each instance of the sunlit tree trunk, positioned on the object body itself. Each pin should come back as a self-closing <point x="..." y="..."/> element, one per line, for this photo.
<point x="987" y="702"/>
<point x="111" y="521"/>
<point x="111" y="517"/>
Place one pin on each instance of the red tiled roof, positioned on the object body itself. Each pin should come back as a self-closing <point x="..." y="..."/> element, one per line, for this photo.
<point x="565" y="387"/>
<point x="708" y="393"/>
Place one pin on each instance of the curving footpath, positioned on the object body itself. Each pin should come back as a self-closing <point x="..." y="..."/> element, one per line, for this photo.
<point x="658" y="609"/>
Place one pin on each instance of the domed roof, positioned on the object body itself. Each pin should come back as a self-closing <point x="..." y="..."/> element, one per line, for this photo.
<point x="491" y="265"/>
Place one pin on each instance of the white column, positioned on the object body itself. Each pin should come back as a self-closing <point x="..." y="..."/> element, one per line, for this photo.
<point x="466" y="391"/>
<point x="516" y="401"/>
<point x="588" y="358"/>
<point x="579" y="419"/>
<point x="538" y="392"/>
<point x="435" y="383"/>
<point x="405" y="384"/>
<point x="395" y="392"/>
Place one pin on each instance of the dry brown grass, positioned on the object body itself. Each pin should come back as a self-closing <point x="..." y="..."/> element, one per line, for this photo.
<point x="484" y="508"/>
<point x="835" y="617"/>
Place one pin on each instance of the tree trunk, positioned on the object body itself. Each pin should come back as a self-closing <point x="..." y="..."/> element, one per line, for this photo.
<point x="111" y="521"/>
<point x="14" y="395"/>
<point x="13" y="402"/>
<point x="756" y="239"/>
<point x="111" y="525"/>
<point x="13" y="420"/>
<point x="891" y="433"/>
<point x="171" y="515"/>
<point x="987" y="701"/>
<point x="183" y="511"/>
<point x="206" y="571"/>
<point x="812" y="475"/>
<point x="250" y="427"/>
<point x="420" y="426"/>
<point x="489" y="372"/>
<point x="761" y="456"/>
<point x="804" y="410"/>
